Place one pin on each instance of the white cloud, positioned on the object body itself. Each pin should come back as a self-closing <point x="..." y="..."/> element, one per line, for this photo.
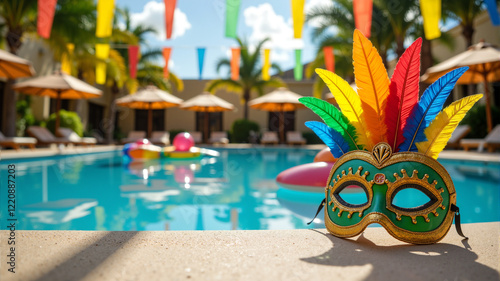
<point x="312" y="4"/>
<point x="154" y="15"/>
<point x="265" y="23"/>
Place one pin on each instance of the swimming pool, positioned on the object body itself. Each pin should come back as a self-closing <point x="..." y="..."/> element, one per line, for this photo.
<point x="236" y="190"/>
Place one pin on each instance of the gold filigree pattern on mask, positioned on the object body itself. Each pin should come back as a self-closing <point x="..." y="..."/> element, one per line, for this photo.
<point x="420" y="184"/>
<point x="360" y="180"/>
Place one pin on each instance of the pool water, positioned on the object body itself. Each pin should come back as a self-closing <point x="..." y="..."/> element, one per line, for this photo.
<point x="236" y="190"/>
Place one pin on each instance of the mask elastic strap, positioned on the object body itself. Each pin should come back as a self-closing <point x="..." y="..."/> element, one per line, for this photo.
<point x="319" y="210"/>
<point x="455" y="209"/>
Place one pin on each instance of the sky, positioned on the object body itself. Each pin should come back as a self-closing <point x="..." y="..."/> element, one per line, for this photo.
<point x="201" y="23"/>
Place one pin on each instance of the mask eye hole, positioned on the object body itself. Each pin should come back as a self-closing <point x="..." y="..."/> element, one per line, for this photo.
<point x="412" y="197"/>
<point x="352" y="194"/>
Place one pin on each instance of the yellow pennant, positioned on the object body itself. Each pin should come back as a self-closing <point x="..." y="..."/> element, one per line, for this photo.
<point x="102" y="53"/>
<point x="431" y="13"/>
<point x="105" y="11"/>
<point x="266" y="66"/>
<point x="66" y="59"/>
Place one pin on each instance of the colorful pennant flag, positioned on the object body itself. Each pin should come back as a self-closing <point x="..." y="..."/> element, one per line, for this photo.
<point x="105" y="11"/>
<point x="431" y="14"/>
<point x="169" y="16"/>
<point x="491" y="5"/>
<point x="166" y="57"/>
<point x="133" y="58"/>
<point x="363" y="15"/>
<point x="66" y="59"/>
<point x="232" y="12"/>
<point x="46" y="10"/>
<point x="298" y="70"/>
<point x="102" y="53"/>
<point x="266" y="66"/>
<point x="201" y="58"/>
<point x="298" y="17"/>
<point x="235" y="63"/>
<point x="329" y="58"/>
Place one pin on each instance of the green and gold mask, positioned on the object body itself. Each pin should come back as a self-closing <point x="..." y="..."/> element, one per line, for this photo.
<point x="386" y="141"/>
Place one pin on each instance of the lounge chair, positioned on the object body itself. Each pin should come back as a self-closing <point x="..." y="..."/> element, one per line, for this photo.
<point x="196" y="137"/>
<point x="45" y="137"/>
<point x="457" y="135"/>
<point x="70" y="135"/>
<point x="490" y="142"/>
<point x="294" y="137"/>
<point x="160" y="138"/>
<point x="269" y="138"/>
<point x="134" y="136"/>
<point x="17" y="142"/>
<point x="218" y="137"/>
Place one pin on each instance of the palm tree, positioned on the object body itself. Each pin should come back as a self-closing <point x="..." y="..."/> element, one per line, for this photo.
<point x="465" y="11"/>
<point x="250" y="75"/>
<point x="19" y="17"/>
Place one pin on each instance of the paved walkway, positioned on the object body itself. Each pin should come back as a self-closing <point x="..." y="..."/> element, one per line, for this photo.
<point x="250" y="255"/>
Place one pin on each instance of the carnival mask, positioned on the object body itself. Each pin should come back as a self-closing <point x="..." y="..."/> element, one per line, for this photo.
<point x="386" y="141"/>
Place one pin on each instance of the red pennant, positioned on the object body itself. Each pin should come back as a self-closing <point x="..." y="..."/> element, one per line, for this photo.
<point x="329" y="58"/>
<point x="169" y="16"/>
<point x="235" y="63"/>
<point x="133" y="57"/>
<point x="166" y="57"/>
<point x="363" y="16"/>
<point x="46" y="10"/>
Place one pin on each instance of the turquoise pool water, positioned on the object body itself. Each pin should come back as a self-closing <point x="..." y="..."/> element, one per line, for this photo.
<point x="236" y="190"/>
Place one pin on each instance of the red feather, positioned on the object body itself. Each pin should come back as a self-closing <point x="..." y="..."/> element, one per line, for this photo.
<point x="403" y="94"/>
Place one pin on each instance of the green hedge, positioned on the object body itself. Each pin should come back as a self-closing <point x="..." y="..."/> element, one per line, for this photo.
<point x="311" y="138"/>
<point x="476" y="119"/>
<point x="68" y="119"/>
<point x="241" y="130"/>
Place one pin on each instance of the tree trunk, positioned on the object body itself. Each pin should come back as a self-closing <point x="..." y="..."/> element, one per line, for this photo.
<point x="110" y="127"/>
<point x="426" y="56"/>
<point x="246" y="97"/>
<point x="10" y="96"/>
<point x="383" y="54"/>
<point x="400" y="41"/>
<point x="468" y="33"/>
<point x="9" y="109"/>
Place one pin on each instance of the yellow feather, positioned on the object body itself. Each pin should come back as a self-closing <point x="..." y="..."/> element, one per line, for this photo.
<point x="349" y="102"/>
<point x="373" y="86"/>
<point x="439" y="131"/>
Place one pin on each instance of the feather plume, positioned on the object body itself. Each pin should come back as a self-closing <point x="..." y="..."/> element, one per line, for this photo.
<point x="427" y="108"/>
<point x="333" y="139"/>
<point x="373" y="86"/>
<point x="349" y="102"/>
<point x="403" y="93"/>
<point x="439" y="131"/>
<point x="333" y="118"/>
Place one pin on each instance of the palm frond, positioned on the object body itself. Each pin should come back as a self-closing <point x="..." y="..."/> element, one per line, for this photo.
<point x="227" y="84"/>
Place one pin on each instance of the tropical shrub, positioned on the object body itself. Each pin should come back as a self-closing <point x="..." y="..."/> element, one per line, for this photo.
<point x="68" y="119"/>
<point x="476" y="119"/>
<point x="241" y="130"/>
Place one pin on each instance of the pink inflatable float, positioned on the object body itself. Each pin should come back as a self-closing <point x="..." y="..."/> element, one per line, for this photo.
<point x="311" y="177"/>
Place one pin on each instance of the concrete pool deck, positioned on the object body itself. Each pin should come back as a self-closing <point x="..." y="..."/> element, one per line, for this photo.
<point x="250" y="255"/>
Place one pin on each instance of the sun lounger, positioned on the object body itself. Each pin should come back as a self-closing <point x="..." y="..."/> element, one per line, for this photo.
<point x="70" y="135"/>
<point x="160" y="138"/>
<point x="196" y="137"/>
<point x="490" y="142"/>
<point x="45" y="137"/>
<point x="218" y="137"/>
<point x="134" y="136"/>
<point x="17" y="142"/>
<point x="457" y="135"/>
<point x="295" y="137"/>
<point x="269" y="138"/>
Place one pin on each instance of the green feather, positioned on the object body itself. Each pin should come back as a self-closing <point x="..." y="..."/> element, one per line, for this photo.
<point x="334" y="118"/>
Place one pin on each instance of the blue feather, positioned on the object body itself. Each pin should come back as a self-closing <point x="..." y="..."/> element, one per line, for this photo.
<point x="428" y="107"/>
<point x="333" y="139"/>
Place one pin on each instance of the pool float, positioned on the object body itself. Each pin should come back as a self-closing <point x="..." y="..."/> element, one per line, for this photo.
<point x="310" y="177"/>
<point x="182" y="148"/>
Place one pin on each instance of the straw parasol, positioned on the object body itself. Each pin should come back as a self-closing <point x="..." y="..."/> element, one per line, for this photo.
<point x="12" y="66"/>
<point x="149" y="98"/>
<point x="279" y="100"/>
<point x="58" y="86"/>
<point x="483" y="60"/>
<point x="206" y="102"/>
